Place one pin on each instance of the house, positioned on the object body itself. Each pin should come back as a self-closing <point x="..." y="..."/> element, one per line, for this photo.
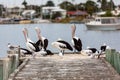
<point x="14" y="12"/>
<point x="52" y="10"/>
<point x="28" y="14"/>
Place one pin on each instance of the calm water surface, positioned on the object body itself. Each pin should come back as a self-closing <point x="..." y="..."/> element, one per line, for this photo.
<point x="13" y="34"/>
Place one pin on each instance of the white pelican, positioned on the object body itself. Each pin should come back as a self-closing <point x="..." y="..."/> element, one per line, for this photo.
<point x="31" y="46"/>
<point x="62" y="46"/>
<point x="94" y="52"/>
<point x="42" y="42"/>
<point x="76" y="42"/>
<point x="103" y="49"/>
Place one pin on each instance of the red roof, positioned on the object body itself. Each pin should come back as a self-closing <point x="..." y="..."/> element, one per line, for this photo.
<point x="77" y="13"/>
<point x="71" y="12"/>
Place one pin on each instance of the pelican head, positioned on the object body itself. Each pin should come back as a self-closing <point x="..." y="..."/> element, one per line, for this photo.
<point x="73" y="27"/>
<point x="25" y="31"/>
<point x="38" y="32"/>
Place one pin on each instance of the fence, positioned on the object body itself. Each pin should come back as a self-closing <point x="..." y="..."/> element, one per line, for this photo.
<point x="113" y="57"/>
<point x="9" y="64"/>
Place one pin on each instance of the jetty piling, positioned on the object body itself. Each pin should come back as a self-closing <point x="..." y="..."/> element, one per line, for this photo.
<point x="9" y="63"/>
<point x="113" y="57"/>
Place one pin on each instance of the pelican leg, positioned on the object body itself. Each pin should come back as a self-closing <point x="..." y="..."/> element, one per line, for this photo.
<point x="61" y="53"/>
<point x="33" y="55"/>
<point x="74" y="50"/>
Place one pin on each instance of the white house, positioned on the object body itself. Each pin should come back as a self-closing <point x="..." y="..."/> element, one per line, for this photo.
<point x="29" y="13"/>
<point x="51" y="10"/>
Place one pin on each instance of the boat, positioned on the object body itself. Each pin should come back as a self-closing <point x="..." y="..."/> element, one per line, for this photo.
<point x="104" y="23"/>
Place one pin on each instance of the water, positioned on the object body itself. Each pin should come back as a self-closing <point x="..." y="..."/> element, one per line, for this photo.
<point x="12" y="33"/>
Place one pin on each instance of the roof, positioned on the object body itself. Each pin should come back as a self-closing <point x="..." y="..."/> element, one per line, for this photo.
<point x="52" y="8"/>
<point x="30" y="12"/>
<point x="71" y="12"/>
<point x="61" y="10"/>
<point x="77" y="13"/>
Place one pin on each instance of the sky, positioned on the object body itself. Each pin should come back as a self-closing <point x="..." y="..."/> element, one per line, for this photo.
<point x="13" y="3"/>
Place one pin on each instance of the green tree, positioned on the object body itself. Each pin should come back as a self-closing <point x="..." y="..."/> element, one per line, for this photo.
<point x="24" y="3"/>
<point x="50" y="3"/>
<point x="81" y="6"/>
<point x="91" y="7"/>
<point x="1" y="10"/>
<point x="104" y="4"/>
<point x="67" y="6"/>
<point x="111" y="5"/>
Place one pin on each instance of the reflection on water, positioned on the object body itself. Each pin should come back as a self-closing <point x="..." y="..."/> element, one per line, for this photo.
<point x="13" y="34"/>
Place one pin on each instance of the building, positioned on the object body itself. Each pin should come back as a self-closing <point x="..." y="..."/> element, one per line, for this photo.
<point x="51" y="10"/>
<point x="28" y="14"/>
<point x="14" y="12"/>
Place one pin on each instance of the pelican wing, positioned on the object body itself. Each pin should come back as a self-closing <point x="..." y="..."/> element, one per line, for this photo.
<point x="30" y="47"/>
<point x="45" y="43"/>
<point x="77" y="44"/>
<point x="67" y="45"/>
<point x="103" y="48"/>
<point x="39" y="43"/>
<point x="36" y="47"/>
<point x="25" y="51"/>
<point x="93" y="50"/>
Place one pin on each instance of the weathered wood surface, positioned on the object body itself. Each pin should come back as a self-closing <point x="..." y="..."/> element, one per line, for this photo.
<point x="68" y="67"/>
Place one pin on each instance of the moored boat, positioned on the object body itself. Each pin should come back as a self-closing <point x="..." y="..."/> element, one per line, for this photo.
<point x="104" y="23"/>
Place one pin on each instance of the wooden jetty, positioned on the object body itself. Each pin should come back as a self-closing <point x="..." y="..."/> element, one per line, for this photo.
<point x="68" y="67"/>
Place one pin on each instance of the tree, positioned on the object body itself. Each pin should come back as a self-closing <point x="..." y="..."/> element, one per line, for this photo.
<point x="91" y="7"/>
<point x="81" y="6"/>
<point x="111" y="5"/>
<point x="106" y="5"/>
<point x="103" y="4"/>
<point x="49" y="3"/>
<point x="1" y="7"/>
<point x="67" y="6"/>
<point x="24" y="3"/>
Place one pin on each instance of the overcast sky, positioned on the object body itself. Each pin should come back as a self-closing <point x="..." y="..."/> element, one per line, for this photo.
<point x="12" y="3"/>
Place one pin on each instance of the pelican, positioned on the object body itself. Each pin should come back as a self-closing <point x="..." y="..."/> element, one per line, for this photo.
<point x="31" y="46"/>
<point x="76" y="42"/>
<point x="103" y="49"/>
<point x="42" y="42"/>
<point x="92" y="52"/>
<point x="62" y="46"/>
